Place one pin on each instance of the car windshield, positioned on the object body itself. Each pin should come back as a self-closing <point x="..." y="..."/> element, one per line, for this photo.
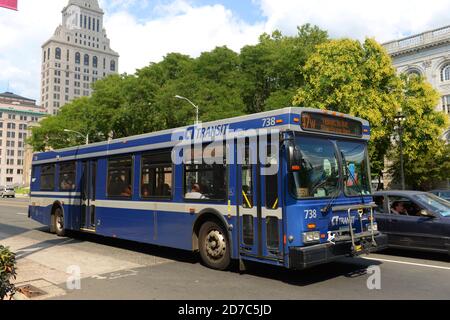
<point x="318" y="176"/>
<point x="356" y="167"/>
<point x="435" y="203"/>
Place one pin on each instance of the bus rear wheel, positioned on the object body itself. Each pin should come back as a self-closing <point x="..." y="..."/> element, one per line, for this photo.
<point x="214" y="246"/>
<point x="59" y="222"/>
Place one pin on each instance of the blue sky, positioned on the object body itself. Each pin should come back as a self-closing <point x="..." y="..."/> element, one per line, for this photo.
<point x="144" y="31"/>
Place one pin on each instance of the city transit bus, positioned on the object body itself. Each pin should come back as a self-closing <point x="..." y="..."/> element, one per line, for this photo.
<point x="288" y="187"/>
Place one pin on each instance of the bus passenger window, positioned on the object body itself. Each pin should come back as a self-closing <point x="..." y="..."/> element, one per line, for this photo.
<point x="205" y="181"/>
<point x="247" y="181"/>
<point x="156" y="176"/>
<point x="67" y="172"/>
<point x="120" y="177"/>
<point x="48" y="177"/>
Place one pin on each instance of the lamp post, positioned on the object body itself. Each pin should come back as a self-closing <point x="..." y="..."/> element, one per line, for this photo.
<point x="80" y="134"/>
<point x="399" y="118"/>
<point x="196" y="107"/>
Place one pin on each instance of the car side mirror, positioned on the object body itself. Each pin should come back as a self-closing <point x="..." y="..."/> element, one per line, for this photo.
<point x="426" y="213"/>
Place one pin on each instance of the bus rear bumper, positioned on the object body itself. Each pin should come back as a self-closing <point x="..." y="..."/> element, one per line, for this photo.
<point x="305" y="257"/>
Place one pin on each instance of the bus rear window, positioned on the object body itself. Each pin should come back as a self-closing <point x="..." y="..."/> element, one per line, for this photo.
<point x="47" y="177"/>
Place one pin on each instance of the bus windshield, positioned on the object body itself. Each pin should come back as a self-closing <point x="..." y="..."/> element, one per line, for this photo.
<point x="356" y="168"/>
<point x="318" y="176"/>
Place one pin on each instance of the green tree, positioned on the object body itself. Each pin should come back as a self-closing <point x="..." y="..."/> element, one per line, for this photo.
<point x="271" y="69"/>
<point x="426" y="157"/>
<point x="358" y="79"/>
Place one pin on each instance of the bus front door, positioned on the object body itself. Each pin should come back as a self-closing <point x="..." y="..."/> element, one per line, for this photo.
<point x="260" y="210"/>
<point x="88" y="221"/>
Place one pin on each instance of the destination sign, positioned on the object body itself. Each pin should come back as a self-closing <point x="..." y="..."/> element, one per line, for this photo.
<point x="330" y="124"/>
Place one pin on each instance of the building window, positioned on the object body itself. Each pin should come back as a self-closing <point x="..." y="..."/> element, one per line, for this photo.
<point x="120" y="177"/>
<point x="95" y="62"/>
<point x="58" y="54"/>
<point x="446" y="104"/>
<point x="86" y="59"/>
<point x="445" y="73"/>
<point x="113" y="65"/>
<point x="77" y="58"/>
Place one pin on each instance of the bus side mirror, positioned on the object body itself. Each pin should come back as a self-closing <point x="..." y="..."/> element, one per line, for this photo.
<point x="294" y="158"/>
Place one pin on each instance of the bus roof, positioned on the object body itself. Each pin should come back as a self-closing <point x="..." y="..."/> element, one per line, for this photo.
<point x="287" y="119"/>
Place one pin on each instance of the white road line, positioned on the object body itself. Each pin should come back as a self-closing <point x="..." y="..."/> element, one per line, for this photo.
<point x="22" y="214"/>
<point x="408" y="263"/>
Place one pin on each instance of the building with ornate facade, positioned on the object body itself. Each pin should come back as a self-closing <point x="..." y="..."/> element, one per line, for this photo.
<point x="77" y="55"/>
<point x="426" y="54"/>
<point x="17" y="115"/>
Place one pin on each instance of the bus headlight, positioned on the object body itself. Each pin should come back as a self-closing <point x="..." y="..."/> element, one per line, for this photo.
<point x="375" y="227"/>
<point x="309" y="237"/>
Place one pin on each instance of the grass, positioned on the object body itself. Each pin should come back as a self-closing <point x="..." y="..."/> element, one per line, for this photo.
<point x="24" y="190"/>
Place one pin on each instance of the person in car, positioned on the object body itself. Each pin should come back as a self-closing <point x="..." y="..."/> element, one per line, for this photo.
<point x="399" y="208"/>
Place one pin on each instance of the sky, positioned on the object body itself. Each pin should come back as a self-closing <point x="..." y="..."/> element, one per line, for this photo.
<point x="144" y="31"/>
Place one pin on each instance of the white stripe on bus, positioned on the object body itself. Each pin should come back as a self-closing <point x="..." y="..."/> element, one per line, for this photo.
<point x="157" y="206"/>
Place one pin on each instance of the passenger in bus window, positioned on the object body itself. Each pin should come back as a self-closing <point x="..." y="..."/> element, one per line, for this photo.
<point x="66" y="183"/>
<point x="126" y="192"/>
<point x="195" y="192"/>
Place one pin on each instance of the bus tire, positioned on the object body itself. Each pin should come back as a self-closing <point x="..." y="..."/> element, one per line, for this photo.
<point x="214" y="246"/>
<point x="59" y="222"/>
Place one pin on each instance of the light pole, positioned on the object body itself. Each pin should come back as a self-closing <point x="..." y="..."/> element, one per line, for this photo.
<point x="80" y="134"/>
<point x="399" y="118"/>
<point x="196" y="108"/>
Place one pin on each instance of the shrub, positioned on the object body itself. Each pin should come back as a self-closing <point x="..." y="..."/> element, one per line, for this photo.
<point x="7" y="272"/>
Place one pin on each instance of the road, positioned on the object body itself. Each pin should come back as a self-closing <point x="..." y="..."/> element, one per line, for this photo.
<point x="117" y="269"/>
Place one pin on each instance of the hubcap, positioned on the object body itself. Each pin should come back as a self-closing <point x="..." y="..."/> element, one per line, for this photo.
<point x="59" y="222"/>
<point x="215" y="245"/>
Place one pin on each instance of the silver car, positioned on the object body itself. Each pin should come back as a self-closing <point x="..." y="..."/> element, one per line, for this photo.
<point x="7" y="192"/>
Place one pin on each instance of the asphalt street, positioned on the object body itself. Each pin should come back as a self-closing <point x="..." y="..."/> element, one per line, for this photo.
<point x="117" y="269"/>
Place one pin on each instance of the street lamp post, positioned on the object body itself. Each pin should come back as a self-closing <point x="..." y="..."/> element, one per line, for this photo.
<point x="196" y="107"/>
<point x="399" y="120"/>
<point x="86" y="137"/>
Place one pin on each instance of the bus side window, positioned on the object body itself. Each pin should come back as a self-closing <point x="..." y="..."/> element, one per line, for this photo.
<point x="48" y="177"/>
<point x="272" y="200"/>
<point x="247" y="180"/>
<point x="120" y="177"/>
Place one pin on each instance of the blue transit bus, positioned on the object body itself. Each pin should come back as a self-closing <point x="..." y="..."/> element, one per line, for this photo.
<point x="288" y="187"/>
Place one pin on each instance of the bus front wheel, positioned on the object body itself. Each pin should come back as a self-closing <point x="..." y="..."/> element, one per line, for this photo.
<point x="214" y="246"/>
<point x="59" y="222"/>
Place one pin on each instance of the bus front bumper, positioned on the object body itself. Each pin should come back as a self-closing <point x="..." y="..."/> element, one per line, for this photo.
<point x="306" y="257"/>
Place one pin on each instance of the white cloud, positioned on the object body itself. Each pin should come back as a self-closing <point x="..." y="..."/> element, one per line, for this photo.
<point x="383" y="19"/>
<point x="182" y="26"/>
<point x="21" y="35"/>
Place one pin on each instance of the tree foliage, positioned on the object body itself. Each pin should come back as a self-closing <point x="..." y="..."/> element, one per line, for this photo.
<point x="358" y="79"/>
<point x="426" y="157"/>
<point x="221" y="82"/>
<point x="7" y="272"/>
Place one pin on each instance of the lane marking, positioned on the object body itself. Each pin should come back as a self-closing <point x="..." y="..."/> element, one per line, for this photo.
<point x="408" y="263"/>
<point x="22" y="214"/>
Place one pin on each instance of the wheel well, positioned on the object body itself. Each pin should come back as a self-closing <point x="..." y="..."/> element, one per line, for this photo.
<point x="205" y="217"/>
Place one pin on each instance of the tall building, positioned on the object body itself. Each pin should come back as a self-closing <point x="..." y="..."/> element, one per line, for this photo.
<point x="17" y="115"/>
<point x="77" y="55"/>
<point x="426" y="54"/>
